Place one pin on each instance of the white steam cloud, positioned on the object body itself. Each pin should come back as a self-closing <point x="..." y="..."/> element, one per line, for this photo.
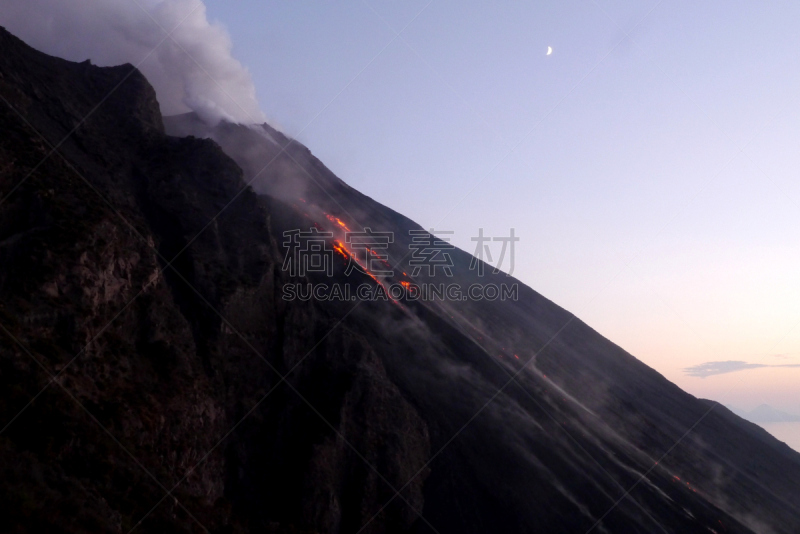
<point x="193" y="69"/>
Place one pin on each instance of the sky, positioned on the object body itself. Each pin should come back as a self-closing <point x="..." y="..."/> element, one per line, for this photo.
<point x="648" y="165"/>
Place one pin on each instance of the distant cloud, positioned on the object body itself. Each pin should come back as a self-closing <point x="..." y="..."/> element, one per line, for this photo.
<point x="718" y="368"/>
<point x="195" y="72"/>
<point x="785" y="356"/>
<point x="707" y="369"/>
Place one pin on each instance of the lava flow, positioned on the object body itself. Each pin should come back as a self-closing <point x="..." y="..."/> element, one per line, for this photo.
<point x="340" y="248"/>
<point x="338" y="221"/>
<point x="349" y="255"/>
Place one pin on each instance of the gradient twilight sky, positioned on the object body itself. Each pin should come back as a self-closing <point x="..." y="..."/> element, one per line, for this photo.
<point x="649" y="165"/>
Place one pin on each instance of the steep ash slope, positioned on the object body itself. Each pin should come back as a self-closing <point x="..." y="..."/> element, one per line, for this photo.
<point x="610" y="416"/>
<point x="160" y="328"/>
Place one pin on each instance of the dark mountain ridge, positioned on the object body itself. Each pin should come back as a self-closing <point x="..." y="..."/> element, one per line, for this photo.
<point x="141" y="281"/>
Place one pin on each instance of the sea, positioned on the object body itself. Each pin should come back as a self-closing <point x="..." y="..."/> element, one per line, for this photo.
<point x="788" y="433"/>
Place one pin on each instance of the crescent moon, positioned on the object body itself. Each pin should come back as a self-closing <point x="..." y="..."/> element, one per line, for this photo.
<point x="549" y="50"/>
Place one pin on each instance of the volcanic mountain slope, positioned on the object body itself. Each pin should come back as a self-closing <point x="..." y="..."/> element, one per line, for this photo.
<point x="154" y="377"/>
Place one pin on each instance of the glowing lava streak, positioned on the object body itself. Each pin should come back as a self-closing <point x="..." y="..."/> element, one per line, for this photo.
<point x="338" y="247"/>
<point x="346" y="253"/>
<point x="338" y="221"/>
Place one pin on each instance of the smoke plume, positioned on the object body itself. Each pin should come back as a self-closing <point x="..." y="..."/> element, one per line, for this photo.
<point x="186" y="58"/>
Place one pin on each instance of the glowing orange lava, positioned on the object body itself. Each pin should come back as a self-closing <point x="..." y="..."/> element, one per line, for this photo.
<point x="339" y="247"/>
<point x="346" y="253"/>
<point x="337" y="220"/>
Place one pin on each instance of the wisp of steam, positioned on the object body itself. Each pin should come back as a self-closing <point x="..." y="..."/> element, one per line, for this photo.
<point x="186" y="58"/>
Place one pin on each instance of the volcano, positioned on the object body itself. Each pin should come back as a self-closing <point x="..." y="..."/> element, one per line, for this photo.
<point x="158" y="376"/>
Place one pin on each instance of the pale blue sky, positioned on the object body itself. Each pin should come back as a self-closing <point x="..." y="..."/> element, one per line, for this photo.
<point x="636" y="206"/>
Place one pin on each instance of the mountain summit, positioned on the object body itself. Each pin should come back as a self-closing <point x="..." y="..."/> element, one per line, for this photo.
<point x="158" y="377"/>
